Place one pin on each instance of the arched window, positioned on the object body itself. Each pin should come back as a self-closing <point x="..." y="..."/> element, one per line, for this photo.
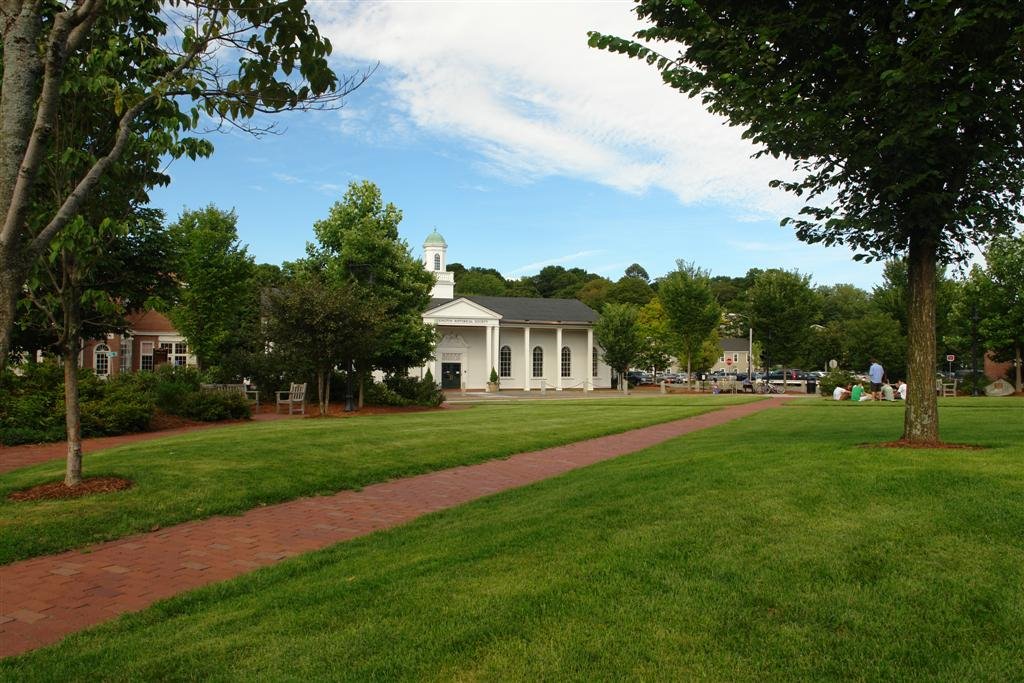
<point x="505" y="361"/>
<point x="538" y="361"/>
<point x="437" y="262"/>
<point x="593" y="361"/>
<point x="566" y="362"/>
<point x="101" y="360"/>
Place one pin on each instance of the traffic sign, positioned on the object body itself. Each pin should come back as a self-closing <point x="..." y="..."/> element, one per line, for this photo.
<point x="950" y="358"/>
<point x="728" y="361"/>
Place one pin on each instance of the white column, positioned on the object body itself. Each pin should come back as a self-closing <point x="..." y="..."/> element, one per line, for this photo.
<point x="496" y="348"/>
<point x="590" y="360"/>
<point x="558" y="359"/>
<point x="490" y="353"/>
<point x="527" y="357"/>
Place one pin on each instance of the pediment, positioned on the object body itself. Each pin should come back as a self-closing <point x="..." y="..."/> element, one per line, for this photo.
<point x="460" y="309"/>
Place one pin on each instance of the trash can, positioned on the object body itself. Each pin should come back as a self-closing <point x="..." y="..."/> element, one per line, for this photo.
<point x="812" y="386"/>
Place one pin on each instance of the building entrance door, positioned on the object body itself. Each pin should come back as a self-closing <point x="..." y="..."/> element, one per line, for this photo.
<point x="451" y="375"/>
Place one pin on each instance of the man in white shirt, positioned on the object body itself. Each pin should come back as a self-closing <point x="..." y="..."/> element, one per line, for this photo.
<point x="902" y="390"/>
<point x="840" y="394"/>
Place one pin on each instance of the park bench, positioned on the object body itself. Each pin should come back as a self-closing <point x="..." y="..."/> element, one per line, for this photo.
<point x="248" y="394"/>
<point x="294" y="399"/>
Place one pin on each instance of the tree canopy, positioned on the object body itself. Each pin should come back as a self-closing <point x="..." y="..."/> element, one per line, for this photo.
<point x="904" y="120"/>
<point x="158" y="72"/>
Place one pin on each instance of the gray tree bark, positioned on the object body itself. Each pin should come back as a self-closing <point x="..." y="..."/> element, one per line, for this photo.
<point x="921" y="418"/>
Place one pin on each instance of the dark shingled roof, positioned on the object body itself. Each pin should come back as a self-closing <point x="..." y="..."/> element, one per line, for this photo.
<point x="524" y="309"/>
<point x="735" y="344"/>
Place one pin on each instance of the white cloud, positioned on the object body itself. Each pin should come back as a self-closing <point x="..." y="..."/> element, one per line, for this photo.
<point x="518" y="82"/>
<point x="288" y="178"/>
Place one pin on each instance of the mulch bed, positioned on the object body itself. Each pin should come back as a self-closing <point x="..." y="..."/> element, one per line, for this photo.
<point x="59" y="491"/>
<point x="939" y="445"/>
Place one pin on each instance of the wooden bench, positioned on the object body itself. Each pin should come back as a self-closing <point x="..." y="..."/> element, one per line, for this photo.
<point x="294" y="399"/>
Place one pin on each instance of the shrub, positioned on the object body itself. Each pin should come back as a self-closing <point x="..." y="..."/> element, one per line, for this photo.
<point x="117" y="413"/>
<point x="835" y="378"/>
<point x="420" y="392"/>
<point x="380" y="394"/>
<point x="210" y="406"/>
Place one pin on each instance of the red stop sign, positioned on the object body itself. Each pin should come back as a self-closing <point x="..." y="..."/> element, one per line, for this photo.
<point x="728" y="361"/>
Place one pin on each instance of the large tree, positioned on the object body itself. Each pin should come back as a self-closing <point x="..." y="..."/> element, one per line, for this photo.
<point x="160" y="70"/>
<point x="217" y="278"/>
<point x="619" y="335"/>
<point x="90" y="278"/>
<point x="359" y="240"/>
<point x="782" y="309"/>
<point x="318" y="323"/>
<point x="904" y="120"/>
<point x="1002" y="300"/>
<point x="692" y="310"/>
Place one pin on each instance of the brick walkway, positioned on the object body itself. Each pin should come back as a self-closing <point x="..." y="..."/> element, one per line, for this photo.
<point x="45" y="598"/>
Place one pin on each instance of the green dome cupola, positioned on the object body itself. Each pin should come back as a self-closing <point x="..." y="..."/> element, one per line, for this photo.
<point x="434" y="239"/>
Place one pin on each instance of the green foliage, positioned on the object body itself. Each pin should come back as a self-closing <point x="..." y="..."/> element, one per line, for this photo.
<point x="878" y="107"/>
<point x="401" y="390"/>
<point x="782" y="307"/>
<point x="692" y="311"/>
<point x="213" y="406"/>
<point x="619" y="336"/>
<point x="316" y="323"/>
<point x="117" y="412"/>
<point x="835" y="378"/>
<point x="630" y="290"/>
<point x="32" y="404"/>
<point x="481" y="281"/>
<point x="659" y="342"/>
<point x="493" y="379"/>
<point x="218" y="300"/>
<point x="1002" y="299"/>
<point x="358" y="242"/>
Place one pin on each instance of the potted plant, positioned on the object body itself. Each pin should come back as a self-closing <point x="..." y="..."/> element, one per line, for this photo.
<point x="493" y="382"/>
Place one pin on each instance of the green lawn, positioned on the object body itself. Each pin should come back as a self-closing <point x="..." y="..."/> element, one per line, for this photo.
<point x="769" y="548"/>
<point x="237" y="468"/>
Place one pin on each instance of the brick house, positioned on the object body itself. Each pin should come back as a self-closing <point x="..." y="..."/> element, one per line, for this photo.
<point x="150" y="340"/>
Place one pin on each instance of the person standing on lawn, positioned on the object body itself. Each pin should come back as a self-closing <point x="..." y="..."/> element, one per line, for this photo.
<point x="876" y="372"/>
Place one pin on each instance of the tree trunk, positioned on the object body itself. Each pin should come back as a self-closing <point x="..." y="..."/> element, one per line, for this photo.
<point x="921" y="417"/>
<point x="689" y="375"/>
<point x="624" y="381"/>
<point x="10" y="285"/>
<point x="1020" y="384"/>
<point x="320" y="391"/>
<point x="72" y="416"/>
<point x="327" y="393"/>
<point x="359" y="388"/>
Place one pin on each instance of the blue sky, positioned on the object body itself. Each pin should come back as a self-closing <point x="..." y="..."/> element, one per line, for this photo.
<point x="495" y="124"/>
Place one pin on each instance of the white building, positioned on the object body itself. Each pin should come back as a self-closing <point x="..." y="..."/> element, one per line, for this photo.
<point x="530" y="343"/>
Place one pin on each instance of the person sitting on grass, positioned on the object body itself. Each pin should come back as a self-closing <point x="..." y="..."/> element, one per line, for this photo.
<point x="856" y="392"/>
<point x="841" y="393"/>
<point x="887" y="392"/>
<point x="902" y="390"/>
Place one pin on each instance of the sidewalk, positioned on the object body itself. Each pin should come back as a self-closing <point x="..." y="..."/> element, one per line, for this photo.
<point x="46" y="598"/>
